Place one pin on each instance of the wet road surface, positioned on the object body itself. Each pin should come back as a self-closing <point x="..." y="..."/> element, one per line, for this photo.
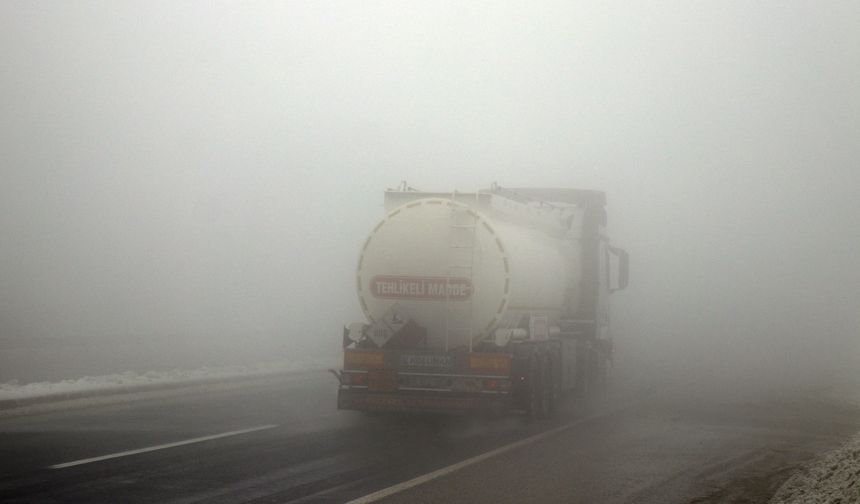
<point x="281" y="440"/>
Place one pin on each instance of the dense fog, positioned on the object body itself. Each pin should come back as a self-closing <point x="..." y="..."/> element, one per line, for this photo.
<point x="188" y="184"/>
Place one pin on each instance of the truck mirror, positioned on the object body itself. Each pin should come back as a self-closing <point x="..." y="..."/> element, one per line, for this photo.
<point x="623" y="267"/>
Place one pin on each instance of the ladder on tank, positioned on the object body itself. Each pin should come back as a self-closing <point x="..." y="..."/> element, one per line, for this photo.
<point x="462" y="243"/>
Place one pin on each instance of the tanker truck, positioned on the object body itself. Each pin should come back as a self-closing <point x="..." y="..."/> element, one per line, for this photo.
<point x="493" y="301"/>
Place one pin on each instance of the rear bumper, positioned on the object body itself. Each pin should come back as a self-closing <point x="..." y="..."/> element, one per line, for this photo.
<point x="424" y="402"/>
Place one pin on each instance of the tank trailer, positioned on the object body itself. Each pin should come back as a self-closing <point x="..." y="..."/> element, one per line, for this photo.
<point x="492" y="301"/>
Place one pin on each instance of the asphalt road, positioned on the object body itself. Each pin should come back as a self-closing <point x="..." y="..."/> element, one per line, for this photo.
<point x="281" y="440"/>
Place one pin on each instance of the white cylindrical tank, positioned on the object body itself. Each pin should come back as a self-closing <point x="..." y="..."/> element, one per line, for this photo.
<point x="462" y="271"/>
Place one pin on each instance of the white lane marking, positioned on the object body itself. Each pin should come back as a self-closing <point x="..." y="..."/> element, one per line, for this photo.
<point x="160" y="447"/>
<point x="420" y="480"/>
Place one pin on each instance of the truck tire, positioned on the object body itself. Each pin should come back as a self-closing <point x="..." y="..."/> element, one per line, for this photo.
<point x="545" y="388"/>
<point x="535" y="391"/>
<point x="552" y="387"/>
<point x="602" y="365"/>
<point x="592" y="381"/>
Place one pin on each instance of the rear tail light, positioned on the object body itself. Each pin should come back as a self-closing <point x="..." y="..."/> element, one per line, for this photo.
<point x="497" y="364"/>
<point x="363" y="359"/>
<point x="497" y="385"/>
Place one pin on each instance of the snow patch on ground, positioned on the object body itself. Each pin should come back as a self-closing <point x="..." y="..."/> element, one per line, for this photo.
<point x="832" y="479"/>
<point x="131" y="380"/>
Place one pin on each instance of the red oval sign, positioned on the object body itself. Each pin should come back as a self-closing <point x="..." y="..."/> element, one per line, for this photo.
<point x="426" y="288"/>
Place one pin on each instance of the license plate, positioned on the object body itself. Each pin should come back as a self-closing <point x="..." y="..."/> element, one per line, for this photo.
<point x="426" y="360"/>
<point x="382" y="380"/>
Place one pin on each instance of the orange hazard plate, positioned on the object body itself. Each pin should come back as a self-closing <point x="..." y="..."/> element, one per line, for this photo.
<point x="382" y="380"/>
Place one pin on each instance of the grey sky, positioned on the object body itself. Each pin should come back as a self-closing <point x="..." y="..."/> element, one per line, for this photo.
<point x="200" y="170"/>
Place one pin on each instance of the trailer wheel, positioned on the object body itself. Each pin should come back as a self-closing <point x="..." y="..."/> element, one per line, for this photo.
<point x="591" y="380"/>
<point x="601" y="372"/>
<point x="545" y="389"/>
<point x="536" y="396"/>
<point x="552" y="388"/>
